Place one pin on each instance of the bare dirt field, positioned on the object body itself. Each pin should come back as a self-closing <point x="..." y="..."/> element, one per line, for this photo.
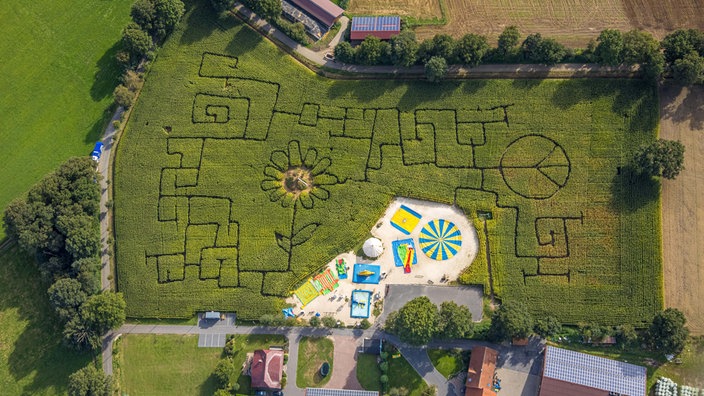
<point x="415" y="8"/>
<point x="682" y="118"/>
<point x="572" y="22"/>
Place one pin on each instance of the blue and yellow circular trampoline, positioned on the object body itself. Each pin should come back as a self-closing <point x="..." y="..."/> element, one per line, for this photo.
<point x="440" y="239"/>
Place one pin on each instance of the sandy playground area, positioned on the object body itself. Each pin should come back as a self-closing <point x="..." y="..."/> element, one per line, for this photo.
<point x="426" y="271"/>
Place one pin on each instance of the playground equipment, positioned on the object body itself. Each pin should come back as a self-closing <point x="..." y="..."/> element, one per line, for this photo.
<point x="399" y="259"/>
<point x="366" y="273"/>
<point x="440" y="239"/>
<point x="410" y="253"/>
<point x="405" y="219"/>
<point x="341" y="267"/>
<point x="288" y="313"/>
<point x="360" y="306"/>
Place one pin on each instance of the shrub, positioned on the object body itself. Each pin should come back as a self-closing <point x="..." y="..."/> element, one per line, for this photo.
<point x="123" y="96"/>
<point x="365" y="324"/>
<point x="384" y="366"/>
<point x="548" y="327"/>
<point x="314" y="321"/>
<point x="384" y="379"/>
<point x="329" y="321"/>
<point x="222" y="5"/>
<point x="89" y="381"/>
<point x="296" y="31"/>
<point x="222" y="372"/>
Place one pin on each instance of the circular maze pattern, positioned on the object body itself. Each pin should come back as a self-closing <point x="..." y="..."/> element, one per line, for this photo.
<point x="535" y="167"/>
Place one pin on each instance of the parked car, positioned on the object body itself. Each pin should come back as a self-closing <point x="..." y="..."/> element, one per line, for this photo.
<point x="260" y="393"/>
<point x="329" y="56"/>
<point x="97" y="151"/>
<point x="277" y="393"/>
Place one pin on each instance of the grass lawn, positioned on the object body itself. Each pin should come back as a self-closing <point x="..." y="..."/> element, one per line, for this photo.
<point x="402" y="375"/>
<point x="209" y="209"/>
<point x="368" y="372"/>
<point x="57" y="76"/>
<point x="313" y="352"/>
<point x="33" y="360"/>
<point x="691" y="370"/>
<point x="173" y="364"/>
<point x="448" y="362"/>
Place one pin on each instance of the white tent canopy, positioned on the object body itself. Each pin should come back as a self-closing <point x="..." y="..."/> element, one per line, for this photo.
<point x="372" y="248"/>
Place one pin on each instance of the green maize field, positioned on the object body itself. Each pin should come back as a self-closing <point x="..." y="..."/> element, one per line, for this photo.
<point x="242" y="172"/>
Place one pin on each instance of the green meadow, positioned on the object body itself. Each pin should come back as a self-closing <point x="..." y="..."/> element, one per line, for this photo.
<point x="242" y="172"/>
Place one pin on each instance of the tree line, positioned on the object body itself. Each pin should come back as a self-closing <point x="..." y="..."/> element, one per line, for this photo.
<point x="680" y="54"/>
<point x="57" y="222"/>
<point x="420" y="321"/>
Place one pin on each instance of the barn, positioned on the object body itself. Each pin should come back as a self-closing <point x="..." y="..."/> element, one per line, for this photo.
<point x="382" y="27"/>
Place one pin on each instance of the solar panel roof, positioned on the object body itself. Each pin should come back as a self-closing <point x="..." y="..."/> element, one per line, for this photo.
<point x="593" y="371"/>
<point x="338" y="392"/>
<point x="376" y="23"/>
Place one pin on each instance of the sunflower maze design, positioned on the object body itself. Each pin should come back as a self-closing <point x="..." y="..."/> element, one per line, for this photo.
<point x="207" y="222"/>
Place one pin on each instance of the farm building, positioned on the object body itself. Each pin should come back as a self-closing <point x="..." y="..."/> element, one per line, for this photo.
<point x="382" y="27"/>
<point x="579" y="374"/>
<point x="323" y="11"/>
<point x="266" y="369"/>
<point x="480" y="374"/>
<point x="296" y="15"/>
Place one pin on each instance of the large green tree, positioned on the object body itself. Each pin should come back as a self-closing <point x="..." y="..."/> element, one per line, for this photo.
<point x="135" y="40"/>
<point x="436" y="69"/>
<point x="641" y="48"/>
<point x="89" y="381"/>
<point x="661" y="158"/>
<point x="537" y="49"/>
<point x="66" y="295"/>
<point x="609" y="50"/>
<point x="404" y="48"/>
<point x="103" y="312"/>
<point x="508" y="40"/>
<point x="667" y="332"/>
<point x="511" y="320"/>
<point x="157" y="17"/>
<point x="455" y="321"/>
<point x="267" y="9"/>
<point x="689" y="69"/>
<point x="416" y="322"/>
<point x="682" y="42"/>
<point x="372" y="51"/>
<point x="471" y="49"/>
<point x="344" y="52"/>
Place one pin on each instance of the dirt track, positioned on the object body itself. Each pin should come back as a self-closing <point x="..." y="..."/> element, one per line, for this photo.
<point x="682" y="118"/>
<point x="572" y="22"/>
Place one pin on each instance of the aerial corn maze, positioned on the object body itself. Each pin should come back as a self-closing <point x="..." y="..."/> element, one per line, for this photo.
<point x="241" y="173"/>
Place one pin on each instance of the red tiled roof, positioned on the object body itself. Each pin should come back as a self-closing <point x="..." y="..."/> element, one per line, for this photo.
<point x="553" y="387"/>
<point x="267" y="368"/>
<point x="323" y="10"/>
<point x="480" y="375"/>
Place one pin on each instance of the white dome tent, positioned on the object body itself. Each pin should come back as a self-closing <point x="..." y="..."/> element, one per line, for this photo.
<point x="373" y="248"/>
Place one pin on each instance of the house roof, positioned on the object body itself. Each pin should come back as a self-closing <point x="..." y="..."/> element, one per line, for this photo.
<point x="480" y="374"/>
<point x="267" y="368"/>
<point x="338" y="392"/>
<point x="592" y="375"/>
<point x="376" y="23"/>
<point x="324" y="11"/>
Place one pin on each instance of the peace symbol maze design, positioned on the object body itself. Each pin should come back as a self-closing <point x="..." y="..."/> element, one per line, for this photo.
<point x="534" y="167"/>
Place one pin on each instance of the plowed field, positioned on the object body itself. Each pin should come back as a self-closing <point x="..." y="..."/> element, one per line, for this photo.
<point x="572" y="22"/>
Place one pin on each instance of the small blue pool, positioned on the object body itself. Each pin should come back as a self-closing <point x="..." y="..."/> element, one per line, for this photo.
<point x="361" y="301"/>
<point x="366" y="273"/>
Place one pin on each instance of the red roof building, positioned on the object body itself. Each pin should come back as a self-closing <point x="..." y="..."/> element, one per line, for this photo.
<point x="480" y="375"/>
<point x="267" y="369"/>
<point x="382" y="27"/>
<point x="325" y="11"/>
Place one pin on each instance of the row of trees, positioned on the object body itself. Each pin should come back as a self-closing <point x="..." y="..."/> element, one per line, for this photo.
<point x="269" y="10"/>
<point x="667" y="332"/>
<point x="58" y="223"/>
<point x="683" y="51"/>
<point x="419" y="321"/>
